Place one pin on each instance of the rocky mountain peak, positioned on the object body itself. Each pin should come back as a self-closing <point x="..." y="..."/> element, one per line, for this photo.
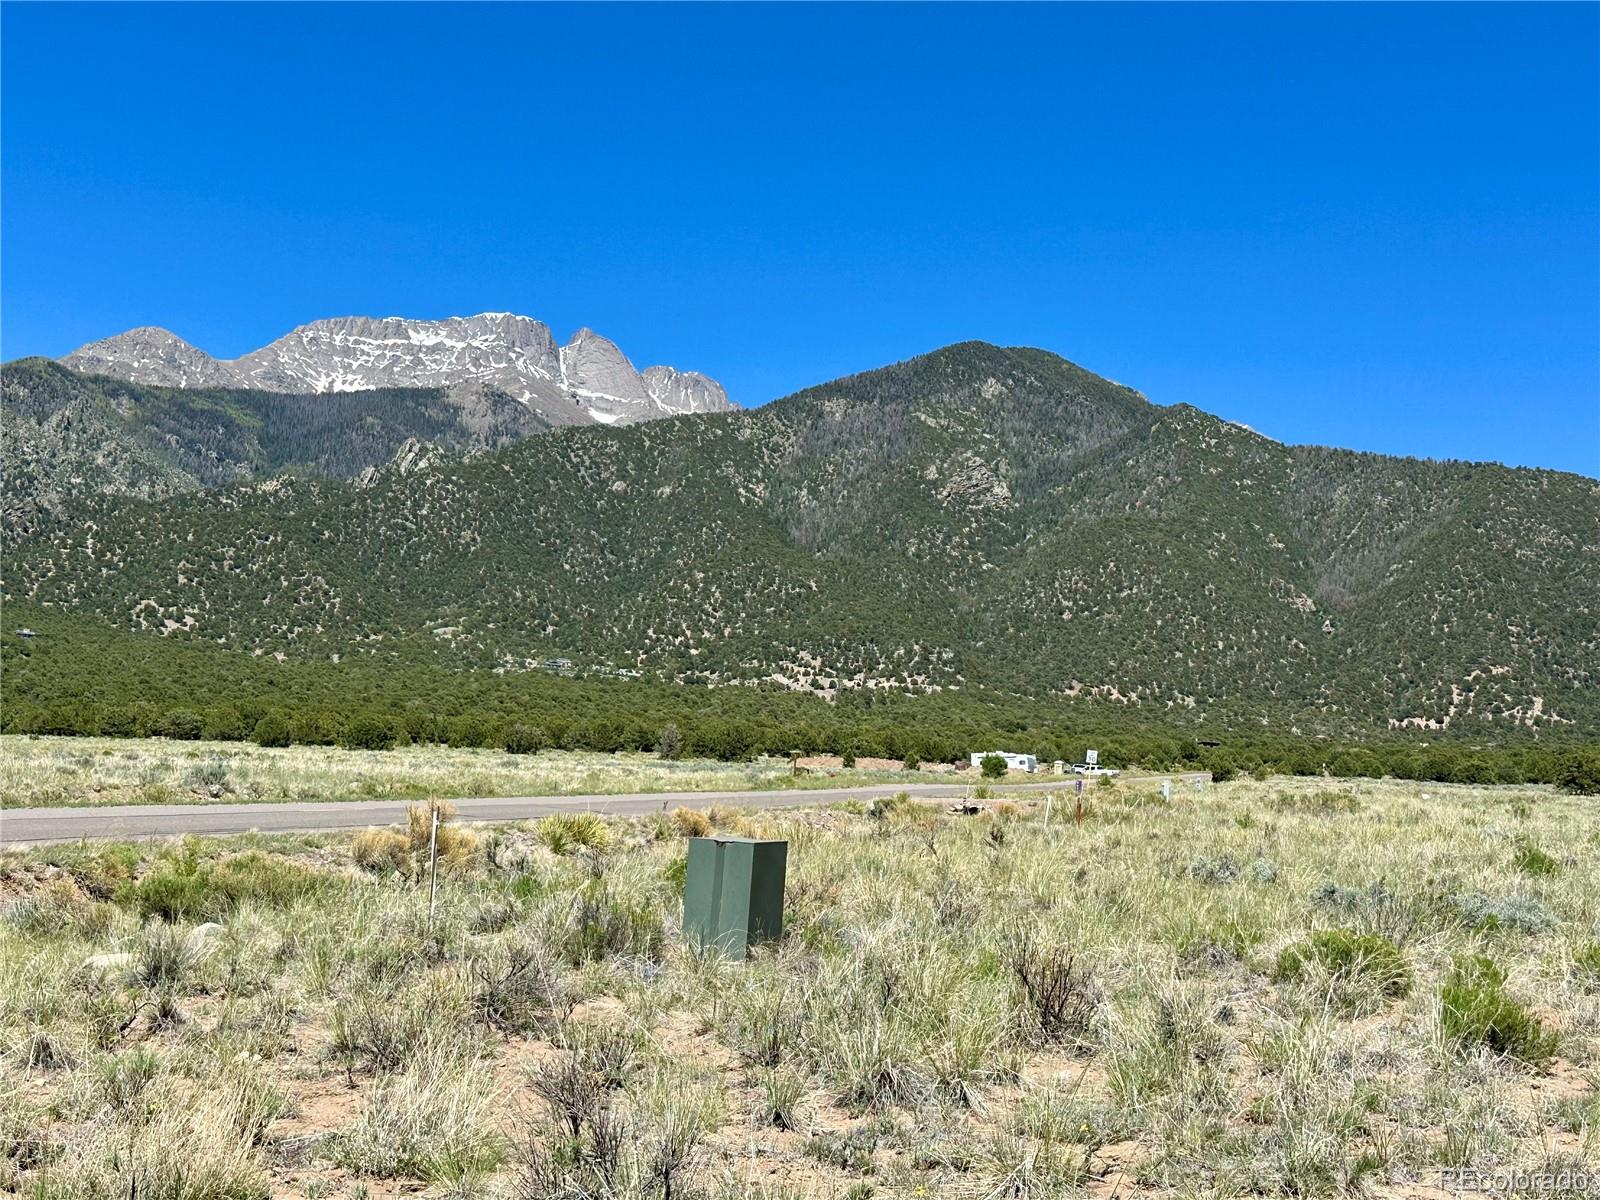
<point x="152" y="355"/>
<point x="675" y="391"/>
<point x="598" y="373"/>
<point x="588" y="380"/>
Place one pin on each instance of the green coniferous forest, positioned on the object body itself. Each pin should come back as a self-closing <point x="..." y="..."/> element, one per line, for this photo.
<point x="980" y="544"/>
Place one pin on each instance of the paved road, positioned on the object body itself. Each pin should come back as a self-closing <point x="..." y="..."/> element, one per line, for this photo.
<point x="22" y="826"/>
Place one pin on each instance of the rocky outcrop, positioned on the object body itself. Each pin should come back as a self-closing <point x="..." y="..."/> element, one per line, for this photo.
<point x="675" y="391"/>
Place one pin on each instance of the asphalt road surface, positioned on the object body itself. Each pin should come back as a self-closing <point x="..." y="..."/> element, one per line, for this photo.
<point x="23" y="826"/>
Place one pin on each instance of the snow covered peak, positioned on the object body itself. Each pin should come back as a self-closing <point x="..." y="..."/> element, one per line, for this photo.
<point x="587" y="380"/>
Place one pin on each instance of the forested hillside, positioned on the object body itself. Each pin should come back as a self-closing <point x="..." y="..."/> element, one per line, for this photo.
<point x="70" y="436"/>
<point x="975" y="518"/>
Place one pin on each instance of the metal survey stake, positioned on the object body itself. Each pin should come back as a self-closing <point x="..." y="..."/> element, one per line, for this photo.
<point x="433" y="866"/>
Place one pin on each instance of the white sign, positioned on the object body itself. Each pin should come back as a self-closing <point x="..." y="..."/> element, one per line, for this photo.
<point x="1092" y="757"/>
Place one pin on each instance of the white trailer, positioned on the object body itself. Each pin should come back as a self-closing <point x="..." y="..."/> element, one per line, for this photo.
<point x="1014" y="762"/>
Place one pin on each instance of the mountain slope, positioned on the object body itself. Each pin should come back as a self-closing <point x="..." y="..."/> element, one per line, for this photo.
<point x="70" y="436"/>
<point x="587" y="380"/>
<point x="977" y="517"/>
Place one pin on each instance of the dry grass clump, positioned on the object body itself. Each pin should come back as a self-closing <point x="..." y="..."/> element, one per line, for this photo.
<point x="429" y="1121"/>
<point x="569" y="833"/>
<point x="197" y="1148"/>
<point x="405" y="853"/>
<point x="60" y="906"/>
<point x="734" y="821"/>
<point x="691" y="822"/>
<point x="382" y="850"/>
<point x="458" y="847"/>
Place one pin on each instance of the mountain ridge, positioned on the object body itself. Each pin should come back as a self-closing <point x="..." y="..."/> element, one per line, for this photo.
<point x="514" y="354"/>
<point x="978" y="517"/>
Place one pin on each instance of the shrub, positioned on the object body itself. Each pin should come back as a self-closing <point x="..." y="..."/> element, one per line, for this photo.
<point x="1062" y="996"/>
<point x="126" y="720"/>
<point x="224" y="723"/>
<point x="174" y="897"/>
<point x="382" y="850"/>
<point x="1518" y="913"/>
<point x="1344" y="952"/>
<point x="994" y="767"/>
<point x="1215" y="870"/>
<point x="669" y="745"/>
<point x="1579" y="772"/>
<point x="691" y="823"/>
<point x="603" y="925"/>
<point x="516" y="989"/>
<point x="1356" y="763"/>
<point x="315" y="729"/>
<point x="884" y="808"/>
<point x="1225" y="941"/>
<point x="181" y="725"/>
<point x="584" y="1153"/>
<point x="912" y="761"/>
<point x="59" y="906"/>
<point x="1472" y="768"/>
<point x="209" y="778"/>
<point x="848" y="758"/>
<point x="368" y="731"/>
<point x="1475" y="1011"/>
<point x="273" y="730"/>
<point x="524" y="739"/>
<point x="386" y="1025"/>
<point x="469" y="731"/>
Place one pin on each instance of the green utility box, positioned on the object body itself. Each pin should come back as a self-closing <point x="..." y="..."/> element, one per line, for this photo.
<point x="733" y="893"/>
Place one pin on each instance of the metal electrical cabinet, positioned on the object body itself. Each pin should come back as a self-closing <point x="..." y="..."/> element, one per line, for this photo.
<point x="733" y="892"/>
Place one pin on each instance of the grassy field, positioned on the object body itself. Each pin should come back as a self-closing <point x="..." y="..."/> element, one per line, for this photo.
<point x="1289" y="988"/>
<point x="89" y="771"/>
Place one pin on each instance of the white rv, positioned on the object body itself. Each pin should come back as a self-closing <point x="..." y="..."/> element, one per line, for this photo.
<point x="1014" y="762"/>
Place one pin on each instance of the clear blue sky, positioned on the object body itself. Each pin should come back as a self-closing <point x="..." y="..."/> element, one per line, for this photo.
<point x="1364" y="225"/>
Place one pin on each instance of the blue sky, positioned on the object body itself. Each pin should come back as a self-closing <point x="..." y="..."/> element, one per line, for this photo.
<point x="1371" y="226"/>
